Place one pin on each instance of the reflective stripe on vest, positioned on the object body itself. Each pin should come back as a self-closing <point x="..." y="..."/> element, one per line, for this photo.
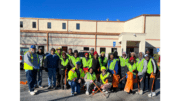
<point x="91" y="77"/>
<point x="104" y="61"/>
<point x="74" y="60"/>
<point x="149" y="67"/>
<point x="64" y="63"/>
<point x="140" y="65"/>
<point x="86" y="63"/>
<point x="112" y="65"/>
<point x="74" y="75"/>
<point x="26" y="66"/>
<point x="103" y="77"/>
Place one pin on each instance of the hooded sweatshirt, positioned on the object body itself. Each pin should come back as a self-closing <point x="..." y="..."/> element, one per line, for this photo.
<point x="144" y="66"/>
<point x="41" y="58"/>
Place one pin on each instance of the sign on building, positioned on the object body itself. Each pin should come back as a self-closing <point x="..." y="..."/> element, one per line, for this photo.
<point x="114" y="43"/>
<point x="158" y="49"/>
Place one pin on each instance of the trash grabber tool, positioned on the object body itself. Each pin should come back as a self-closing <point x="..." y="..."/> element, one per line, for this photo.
<point x="152" y="83"/>
<point x="65" y="79"/>
<point x="122" y="78"/>
<point x="99" y="89"/>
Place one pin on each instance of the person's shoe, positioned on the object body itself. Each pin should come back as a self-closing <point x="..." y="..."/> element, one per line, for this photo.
<point x="49" y="87"/>
<point x="87" y="93"/>
<point x="149" y="95"/>
<point x="103" y="90"/>
<point x="35" y="91"/>
<point x="32" y="93"/>
<point x="106" y="92"/>
<point x="40" y="86"/>
<point x="93" y="91"/>
<point x="141" y="92"/>
<point x="75" y="92"/>
<point x="35" y="86"/>
<point x="54" y="88"/>
<point x="72" y="94"/>
<point x="153" y="94"/>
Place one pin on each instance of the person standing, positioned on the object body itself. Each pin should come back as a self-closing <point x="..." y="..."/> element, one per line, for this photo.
<point x="123" y="67"/>
<point x="31" y="65"/>
<point x="102" y="59"/>
<point x="64" y="68"/>
<point x="95" y="65"/>
<point x="141" y="68"/>
<point x="74" y="59"/>
<point x="58" y="76"/>
<point x="91" y="53"/>
<point x="75" y="77"/>
<point x="39" y="72"/>
<point x="70" y="53"/>
<point x="89" y="78"/>
<point x="52" y="61"/>
<point x="86" y="61"/>
<point x="151" y="71"/>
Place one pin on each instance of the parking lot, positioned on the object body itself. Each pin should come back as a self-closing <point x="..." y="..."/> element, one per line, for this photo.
<point x="55" y="95"/>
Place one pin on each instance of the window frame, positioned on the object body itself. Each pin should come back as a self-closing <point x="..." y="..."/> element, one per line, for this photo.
<point x="33" y="24"/>
<point x="87" y="48"/>
<point x="48" y="26"/>
<point x="63" y="26"/>
<point x="102" y="50"/>
<point x="77" y="26"/>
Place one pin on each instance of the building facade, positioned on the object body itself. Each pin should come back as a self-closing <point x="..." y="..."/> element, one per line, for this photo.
<point x="136" y="34"/>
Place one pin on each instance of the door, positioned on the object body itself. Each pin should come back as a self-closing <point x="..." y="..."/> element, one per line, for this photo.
<point x="64" y="48"/>
<point x="129" y="50"/>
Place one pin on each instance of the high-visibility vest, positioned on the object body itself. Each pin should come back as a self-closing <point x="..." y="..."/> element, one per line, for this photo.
<point x="90" y="56"/>
<point x="74" y="60"/>
<point x="123" y="61"/>
<point x="104" y="77"/>
<point x="64" y="63"/>
<point x="69" y="56"/>
<point x="112" y="65"/>
<point x="140" y="65"/>
<point x="91" y="77"/>
<point x="102" y="63"/>
<point x="26" y="66"/>
<point x="130" y="67"/>
<point x="60" y="56"/>
<point x="86" y="63"/>
<point x="72" y="75"/>
<point x="149" y="67"/>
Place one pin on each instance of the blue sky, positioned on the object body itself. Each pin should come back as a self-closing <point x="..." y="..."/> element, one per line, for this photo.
<point x="88" y="9"/>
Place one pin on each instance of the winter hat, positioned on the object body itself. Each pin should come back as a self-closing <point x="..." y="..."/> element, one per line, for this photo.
<point x="86" y="54"/>
<point x="132" y="58"/>
<point x="78" y="63"/>
<point x="75" y="51"/>
<point x="102" y="52"/>
<point x="103" y="68"/>
<point x="95" y="53"/>
<point x="63" y="53"/>
<point x="92" y="49"/>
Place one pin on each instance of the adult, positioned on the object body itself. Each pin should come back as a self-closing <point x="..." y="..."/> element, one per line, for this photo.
<point x="141" y="68"/>
<point x="64" y="67"/>
<point x="102" y="59"/>
<point x="52" y="61"/>
<point x="105" y="80"/>
<point x="89" y="78"/>
<point x="91" y="53"/>
<point x="31" y="65"/>
<point x="58" y="76"/>
<point x="75" y="77"/>
<point x="39" y="72"/>
<point x="151" y="71"/>
<point x="86" y="61"/>
<point x="75" y="59"/>
<point x="70" y="53"/>
<point x="123" y="69"/>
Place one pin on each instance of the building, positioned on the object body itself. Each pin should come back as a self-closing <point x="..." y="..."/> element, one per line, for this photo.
<point x="136" y="34"/>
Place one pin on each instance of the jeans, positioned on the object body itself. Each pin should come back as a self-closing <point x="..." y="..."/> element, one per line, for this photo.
<point x="75" y="87"/>
<point x="52" y="74"/>
<point x="89" y="86"/>
<point x="39" y="74"/>
<point x="31" y="78"/>
<point x="142" y="78"/>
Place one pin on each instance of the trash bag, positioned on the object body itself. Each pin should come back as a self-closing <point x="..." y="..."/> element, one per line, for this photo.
<point x="129" y="82"/>
<point x="115" y="82"/>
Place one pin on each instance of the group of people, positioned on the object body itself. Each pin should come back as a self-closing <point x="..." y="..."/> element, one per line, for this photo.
<point x="91" y="72"/>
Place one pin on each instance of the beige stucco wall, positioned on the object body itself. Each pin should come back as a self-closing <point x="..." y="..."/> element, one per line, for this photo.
<point x="85" y="26"/>
<point x="135" y="25"/>
<point x="27" y="24"/>
<point x="110" y="27"/>
<point x="56" y="25"/>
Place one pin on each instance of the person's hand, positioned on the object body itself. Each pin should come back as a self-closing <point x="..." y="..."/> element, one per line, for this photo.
<point x="79" y="81"/>
<point x="154" y="74"/>
<point x="91" y="81"/>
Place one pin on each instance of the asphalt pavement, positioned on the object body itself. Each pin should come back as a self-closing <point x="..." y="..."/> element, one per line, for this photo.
<point x="65" y="95"/>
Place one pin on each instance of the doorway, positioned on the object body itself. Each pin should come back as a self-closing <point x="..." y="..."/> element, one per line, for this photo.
<point x="64" y="48"/>
<point x="129" y="50"/>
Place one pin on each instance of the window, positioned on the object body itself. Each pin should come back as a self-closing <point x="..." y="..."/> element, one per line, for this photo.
<point x="63" y="25"/>
<point x="102" y="49"/>
<point x="21" y="24"/>
<point x="86" y="48"/>
<point x="49" y="25"/>
<point x="113" y="49"/>
<point x="33" y="24"/>
<point x="78" y="26"/>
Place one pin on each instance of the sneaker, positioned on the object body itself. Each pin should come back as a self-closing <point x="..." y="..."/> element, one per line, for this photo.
<point x="40" y="86"/>
<point x="35" y="91"/>
<point x="153" y="94"/>
<point x="106" y="92"/>
<point x="54" y="88"/>
<point x="72" y="94"/>
<point x="75" y="92"/>
<point x="32" y="93"/>
<point x="49" y="87"/>
<point x="149" y="95"/>
<point x="103" y="90"/>
<point x="141" y="92"/>
<point x="87" y="93"/>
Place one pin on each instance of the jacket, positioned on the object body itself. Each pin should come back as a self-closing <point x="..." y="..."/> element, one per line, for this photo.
<point x="95" y="65"/>
<point x="41" y="58"/>
<point x="63" y="68"/>
<point x="52" y="61"/>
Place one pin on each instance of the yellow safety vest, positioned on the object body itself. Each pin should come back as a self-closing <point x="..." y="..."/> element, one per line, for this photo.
<point x="26" y="66"/>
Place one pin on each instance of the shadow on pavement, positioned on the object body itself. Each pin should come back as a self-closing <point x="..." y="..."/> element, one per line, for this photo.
<point x="65" y="97"/>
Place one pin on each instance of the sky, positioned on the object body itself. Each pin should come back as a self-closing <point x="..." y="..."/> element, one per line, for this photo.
<point x="88" y="9"/>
